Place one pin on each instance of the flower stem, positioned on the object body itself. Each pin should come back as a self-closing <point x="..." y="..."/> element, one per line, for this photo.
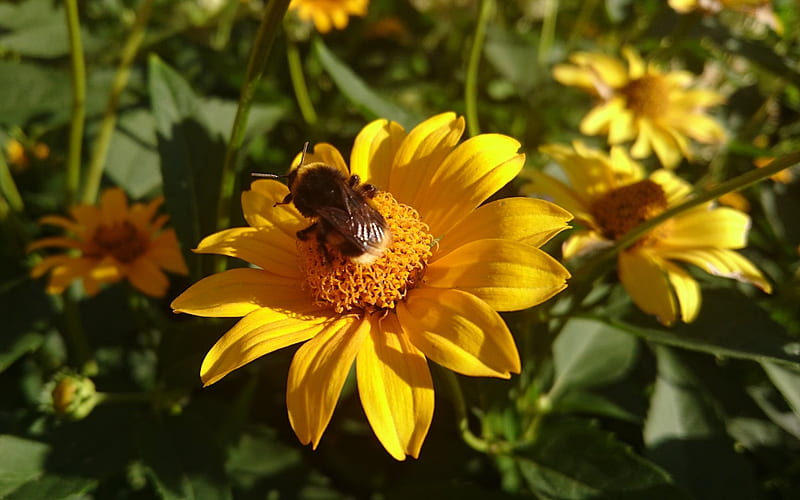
<point x="8" y="188"/>
<point x="460" y="408"/>
<point x="486" y="9"/>
<point x="76" y="337"/>
<point x="299" y="83"/>
<point x="101" y="143"/>
<point x="78" y="100"/>
<point x="548" y="30"/>
<point x="274" y="12"/>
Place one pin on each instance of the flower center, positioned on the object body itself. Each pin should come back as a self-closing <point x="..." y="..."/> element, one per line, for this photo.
<point x="120" y="240"/>
<point x="620" y="210"/>
<point x="647" y="96"/>
<point x="336" y="281"/>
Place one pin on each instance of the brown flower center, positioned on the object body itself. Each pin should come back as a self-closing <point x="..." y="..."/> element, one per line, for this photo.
<point x="620" y="210"/>
<point x="121" y="240"/>
<point x="336" y="281"/>
<point x="647" y="96"/>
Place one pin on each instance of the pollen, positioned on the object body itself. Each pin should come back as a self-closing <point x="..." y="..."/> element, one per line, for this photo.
<point x="647" y="96"/>
<point x="346" y="286"/>
<point x="121" y="240"/>
<point x="620" y="210"/>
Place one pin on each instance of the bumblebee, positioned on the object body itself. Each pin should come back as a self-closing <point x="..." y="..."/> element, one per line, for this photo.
<point x="344" y="218"/>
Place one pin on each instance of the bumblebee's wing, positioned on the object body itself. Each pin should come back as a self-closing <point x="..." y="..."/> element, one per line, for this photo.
<point x="361" y="226"/>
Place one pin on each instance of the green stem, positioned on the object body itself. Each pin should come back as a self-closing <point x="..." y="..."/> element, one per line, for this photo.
<point x="274" y="12"/>
<point x="548" y="30"/>
<point x="299" y="83"/>
<point x="78" y="100"/>
<point x="76" y="337"/>
<point x="460" y="407"/>
<point x="9" y="188"/>
<point x="103" y="140"/>
<point x="471" y="81"/>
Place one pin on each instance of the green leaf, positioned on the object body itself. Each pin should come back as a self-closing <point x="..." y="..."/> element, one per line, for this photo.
<point x="685" y="435"/>
<point x="577" y="401"/>
<point x="371" y="103"/>
<point x="590" y="353"/>
<point x="133" y="154"/>
<point x="37" y="28"/>
<point x="573" y="460"/>
<point x="191" y="158"/>
<point x="747" y="334"/>
<point x="25" y="309"/>
<point x="514" y="56"/>
<point x="787" y="381"/>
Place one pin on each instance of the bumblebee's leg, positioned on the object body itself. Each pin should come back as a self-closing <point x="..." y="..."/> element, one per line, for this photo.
<point x="303" y="234"/>
<point x="286" y="200"/>
<point x="369" y="190"/>
<point x="354" y="180"/>
<point x="323" y="248"/>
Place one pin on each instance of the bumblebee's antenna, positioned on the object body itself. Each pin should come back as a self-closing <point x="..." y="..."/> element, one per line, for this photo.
<point x="276" y="176"/>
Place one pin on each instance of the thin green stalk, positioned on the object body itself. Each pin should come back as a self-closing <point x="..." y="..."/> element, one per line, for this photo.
<point x="299" y="83"/>
<point x="103" y="140"/>
<point x="548" y="30"/>
<point x="486" y="9"/>
<point x="274" y="12"/>
<point x="9" y="188"/>
<point x="78" y="100"/>
<point x="75" y="335"/>
<point x="460" y="408"/>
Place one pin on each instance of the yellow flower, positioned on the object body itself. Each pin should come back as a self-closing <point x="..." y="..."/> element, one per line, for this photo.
<point x="329" y="13"/>
<point x="111" y="242"/>
<point x="761" y="10"/>
<point x="433" y="295"/>
<point x="643" y="103"/>
<point x="610" y="195"/>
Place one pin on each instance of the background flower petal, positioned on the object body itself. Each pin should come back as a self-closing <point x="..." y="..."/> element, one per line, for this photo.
<point x="146" y="277"/>
<point x="686" y="289"/>
<point x="721" y="227"/>
<point x="317" y="374"/>
<point x="113" y="206"/>
<point x="459" y="331"/>
<point x="471" y="173"/>
<point x="374" y="150"/>
<point x="526" y="220"/>
<point x="721" y="262"/>
<point x="269" y="249"/>
<point x="648" y="285"/>
<point x="395" y="387"/>
<point x="237" y="292"/>
<point x="259" y="333"/>
<point x="165" y="252"/>
<point x="507" y="275"/>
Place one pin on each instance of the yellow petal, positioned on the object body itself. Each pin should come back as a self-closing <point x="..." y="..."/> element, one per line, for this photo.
<point x="165" y="252"/>
<point x="721" y="227"/>
<point x="575" y="76"/>
<point x="113" y="206"/>
<point x="145" y="275"/>
<point x="269" y="249"/>
<point x="675" y="189"/>
<point x="703" y="129"/>
<point x="507" y="275"/>
<point x="257" y="334"/>
<point x="647" y="283"/>
<point x="53" y="242"/>
<point x="460" y="332"/>
<point x="87" y="216"/>
<point x="258" y="206"/>
<point x="424" y="147"/>
<point x="547" y="186"/>
<point x="622" y="128"/>
<point x="395" y="387"/>
<point x="686" y="290"/>
<point x="50" y="262"/>
<point x="470" y="174"/>
<point x="721" y="262"/>
<point x="317" y="374"/>
<point x="636" y="66"/>
<point x="57" y="220"/>
<point x="666" y="148"/>
<point x="598" y="119"/>
<point x="324" y="153"/>
<point x="237" y="292"/>
<point x="62" y="275"/>
<point x="526" y="220"/>
<point x="642" y="147"/>
<point x="374" y="150"/>
<point x="583" y="243"/>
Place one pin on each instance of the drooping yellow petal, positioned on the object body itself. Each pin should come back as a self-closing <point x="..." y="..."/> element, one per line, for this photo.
<point x="507" y="275"/>
<point x="703" y="128"/>
<point x="666" y="148"/>
<point x="721" y="227"/>
<point x="56" y="241"/>
<point x="395" y="387"/>
<point x="471" y="173"/>
<point x="258" y="206"/>
<point x="62" y="275"/>
<point x="57" y="220"/>
<point x="259" y="333"/>
<point x="648" y="285"/>
<point x="269" y="249"/>
<point x="622" y="128"/>
<point x="460" y="332"/>
<point x="598" y="119"/>
<point x="675" y="189"/>
<point x="145" y="276"/>
<point x="686" y="290"/>
<point x="721" y="262"/>
<point x="526" y="220"/>
<point x="427" y="144"/>
<point x="374" y="150"/>
<point x="238" y="292"/>
<point x="49" y="263"/>
<point x="317" y="374"/>
<point x="636" y="66"/>
<point x="584" y="242"/>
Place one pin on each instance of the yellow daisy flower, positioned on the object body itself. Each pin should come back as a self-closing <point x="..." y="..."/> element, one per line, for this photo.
<point x="643" y="103"/>
<point x="761" y="10"/>
<point x="610" y="195"/>
<point x="111" y="242"/>
<point x="433" y="294"/>
<point x="327" y="14"/>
